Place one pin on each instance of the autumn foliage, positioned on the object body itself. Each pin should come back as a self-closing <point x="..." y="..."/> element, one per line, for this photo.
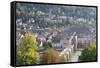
<point x="26" y="50"/>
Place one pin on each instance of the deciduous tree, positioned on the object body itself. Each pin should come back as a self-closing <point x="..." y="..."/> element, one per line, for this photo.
<point x="26" y="50"/>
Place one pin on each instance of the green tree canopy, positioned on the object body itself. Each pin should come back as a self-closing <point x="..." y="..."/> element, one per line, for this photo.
<point x="26" y="50"/>
<point x="89" y="53"/>
<point x="47" y="45"/>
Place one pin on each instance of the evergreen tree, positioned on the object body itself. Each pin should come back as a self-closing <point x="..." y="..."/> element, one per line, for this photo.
<point x="89" y="53"/>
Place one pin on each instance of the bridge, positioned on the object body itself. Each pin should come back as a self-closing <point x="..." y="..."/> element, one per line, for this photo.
<point x="68" y="52"/>
<point x="70" y="49"/>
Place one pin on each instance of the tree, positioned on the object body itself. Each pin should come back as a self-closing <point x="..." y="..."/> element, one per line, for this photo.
<point x="50" y="55"/>
<point x="89" y="53"/>
<point x="26" y="50"/>
<point x="47" y="45"/>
